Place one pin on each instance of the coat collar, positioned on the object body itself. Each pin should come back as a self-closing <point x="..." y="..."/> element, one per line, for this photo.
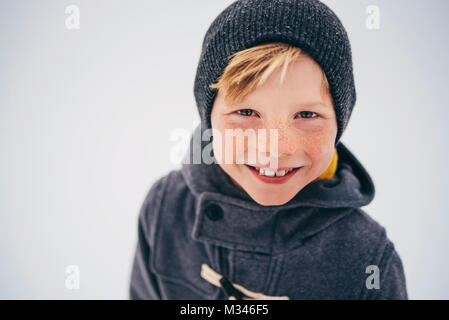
<point x="228" y="216"/>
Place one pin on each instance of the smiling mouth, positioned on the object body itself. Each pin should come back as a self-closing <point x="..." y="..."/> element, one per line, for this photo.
<point x="273" y="173"/>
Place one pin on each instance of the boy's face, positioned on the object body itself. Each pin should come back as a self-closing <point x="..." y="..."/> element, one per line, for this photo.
<point x="302" y="112"/>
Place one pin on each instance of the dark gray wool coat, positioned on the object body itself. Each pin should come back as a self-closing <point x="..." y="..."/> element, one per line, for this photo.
<point x="320" y="245"/>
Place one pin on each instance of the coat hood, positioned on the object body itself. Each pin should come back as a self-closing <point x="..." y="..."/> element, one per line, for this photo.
<point x="252" y="226"/>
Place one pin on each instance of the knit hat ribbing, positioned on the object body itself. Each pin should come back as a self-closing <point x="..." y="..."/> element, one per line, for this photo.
<point x="307" y="24"/>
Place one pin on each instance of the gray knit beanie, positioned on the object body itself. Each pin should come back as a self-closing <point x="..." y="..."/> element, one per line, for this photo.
<point x="307" y="24"/>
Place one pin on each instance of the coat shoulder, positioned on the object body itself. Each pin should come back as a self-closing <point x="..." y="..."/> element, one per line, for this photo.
<point x="355" y="246"/>
<point x="363" y="228"/>
<point x="165" y="191"/>
<point x="172" y="184"/>
<point x="356" y="231"/>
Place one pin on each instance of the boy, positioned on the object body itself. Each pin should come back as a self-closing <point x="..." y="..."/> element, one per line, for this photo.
<point x="292" y="228"/>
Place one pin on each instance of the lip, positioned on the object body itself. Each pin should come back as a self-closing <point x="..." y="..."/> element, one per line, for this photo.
<point x="275" y="179"/>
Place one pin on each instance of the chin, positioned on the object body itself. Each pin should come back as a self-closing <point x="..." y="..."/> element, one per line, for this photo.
<point x="265" y="200"/>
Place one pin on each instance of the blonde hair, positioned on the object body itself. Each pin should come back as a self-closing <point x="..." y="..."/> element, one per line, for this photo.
<point x="249" y="68"/>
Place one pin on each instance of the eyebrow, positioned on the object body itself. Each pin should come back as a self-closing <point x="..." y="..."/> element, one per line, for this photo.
<point x="313" y="104"/>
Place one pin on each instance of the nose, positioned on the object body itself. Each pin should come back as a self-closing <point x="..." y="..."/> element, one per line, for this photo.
<point x="280" y="141"/>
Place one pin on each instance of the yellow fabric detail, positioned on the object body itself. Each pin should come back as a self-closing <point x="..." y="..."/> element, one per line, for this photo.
<point x="330" y="171"/>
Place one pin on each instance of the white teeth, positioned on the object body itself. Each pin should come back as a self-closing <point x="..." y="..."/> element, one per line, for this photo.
<point x="280" y="173"/>
<point x="272" y="173"/>
<point x="269" y="173"/>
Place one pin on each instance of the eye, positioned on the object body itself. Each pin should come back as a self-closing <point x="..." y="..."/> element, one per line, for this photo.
<point x="308" y="114"/>
<point x="246" y="112"/>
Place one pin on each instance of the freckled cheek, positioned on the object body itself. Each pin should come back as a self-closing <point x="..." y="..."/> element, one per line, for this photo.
<point x="318" y="146"/>
<point x="234" y="145"/>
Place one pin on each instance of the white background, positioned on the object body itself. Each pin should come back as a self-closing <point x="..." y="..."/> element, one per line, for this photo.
<point x="86" y="118"/>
